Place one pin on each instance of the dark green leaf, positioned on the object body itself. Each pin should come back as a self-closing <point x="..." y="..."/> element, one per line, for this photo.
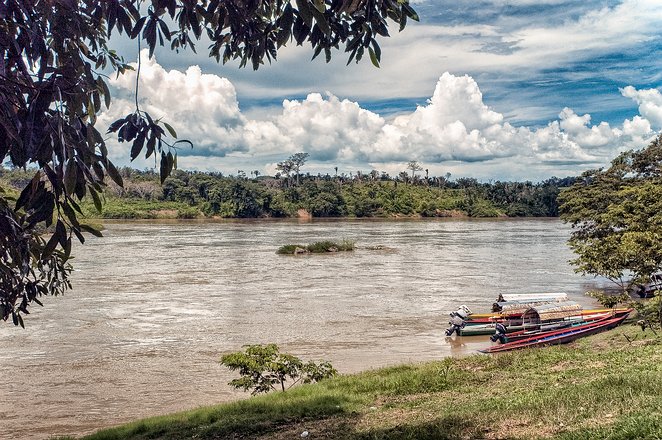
<point x="70" y="176"/>
<point x="113" y="173"/>
<point x="91" y="230"/>
<point x="105" y="90"/>
<point x="67" y="248"/>
<point x="61" y="232"/>
<point x="305" y="12"/>
<point x="320" y="19"/>
<point x="137" y="146"/>
<point x="373" y="57"/>
<point x="80" y="237"/>
<point x="50" y="246"/>
<point x="164" y="167"/>
<point x="171" y="130"/>
<point x="96" y="200"/>
<point x="71" y="215"/>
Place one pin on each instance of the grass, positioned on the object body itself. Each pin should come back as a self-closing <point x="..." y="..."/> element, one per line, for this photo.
<point x="596" y="388"/>
<point x="127" y="208"/>
<point x="319" y="247"/>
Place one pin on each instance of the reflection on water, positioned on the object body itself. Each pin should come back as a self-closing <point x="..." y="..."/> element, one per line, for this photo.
<point x="155" y="305"/>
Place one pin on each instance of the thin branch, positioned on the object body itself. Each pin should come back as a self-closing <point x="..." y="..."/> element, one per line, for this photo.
<point x="138" y="76"/>
<point x="139" y="64"/>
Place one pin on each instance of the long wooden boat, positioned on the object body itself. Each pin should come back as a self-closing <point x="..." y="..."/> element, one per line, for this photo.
<point x="523" y="334"/>
<point x="562" y="336"/>
<point x="489" y="329"/>
<point x="487" y="318"/>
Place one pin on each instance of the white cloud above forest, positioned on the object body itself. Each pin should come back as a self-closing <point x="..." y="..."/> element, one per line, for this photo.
<point x="452" y="128"/>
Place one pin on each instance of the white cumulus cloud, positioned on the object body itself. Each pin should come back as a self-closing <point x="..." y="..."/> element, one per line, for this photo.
<point x="649" y="101"/>
<point x="454" y="127"/>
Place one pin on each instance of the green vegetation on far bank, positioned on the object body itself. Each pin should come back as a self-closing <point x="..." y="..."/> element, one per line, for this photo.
<point x="320" y="247"/>
<point x="198" y="195"/>
<point x="605" y="386"/>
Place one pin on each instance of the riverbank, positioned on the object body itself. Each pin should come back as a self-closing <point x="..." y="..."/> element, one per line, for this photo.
<point x="605" y="386"/>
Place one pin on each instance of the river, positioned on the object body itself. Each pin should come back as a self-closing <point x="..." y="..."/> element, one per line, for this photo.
<point x="155" y="305"/>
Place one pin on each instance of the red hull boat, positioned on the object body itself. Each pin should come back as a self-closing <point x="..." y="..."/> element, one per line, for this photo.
<point x="562" y="336"/>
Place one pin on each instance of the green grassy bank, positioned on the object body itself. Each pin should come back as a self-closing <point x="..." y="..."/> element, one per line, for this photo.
<point x="603" y="387"/>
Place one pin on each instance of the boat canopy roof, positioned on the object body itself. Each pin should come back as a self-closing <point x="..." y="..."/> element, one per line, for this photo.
<point x="532" y="297"/>
<point x="551" y="312"/>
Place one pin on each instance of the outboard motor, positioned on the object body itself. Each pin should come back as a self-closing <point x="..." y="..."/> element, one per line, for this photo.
<point x="463" y="311"/>
<point x="457" y="320"/>
<point x="499" y="334"/>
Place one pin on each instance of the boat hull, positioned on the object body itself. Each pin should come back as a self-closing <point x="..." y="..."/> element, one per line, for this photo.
<point x="488" y="318"/>
<point x="562" y="336"/>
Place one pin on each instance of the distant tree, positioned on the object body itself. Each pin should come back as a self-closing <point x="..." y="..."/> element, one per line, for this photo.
<point x="52" y="87"/>
<point x="467" y="182"/>
<point x="298" y="160"/>
<point x="285" y="167"/>
<point x="414" y="166"/>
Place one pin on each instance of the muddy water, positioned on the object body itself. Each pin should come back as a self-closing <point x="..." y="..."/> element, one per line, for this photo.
<point x="155" y="305"/>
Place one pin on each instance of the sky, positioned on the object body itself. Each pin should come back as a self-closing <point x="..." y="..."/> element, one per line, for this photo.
<point x="491" y="89"/>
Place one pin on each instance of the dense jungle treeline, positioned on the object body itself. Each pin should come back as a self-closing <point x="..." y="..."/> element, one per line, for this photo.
<point x="192" y="194"/>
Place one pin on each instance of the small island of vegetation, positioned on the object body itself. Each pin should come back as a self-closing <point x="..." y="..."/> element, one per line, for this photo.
<point x="320" y="247"/>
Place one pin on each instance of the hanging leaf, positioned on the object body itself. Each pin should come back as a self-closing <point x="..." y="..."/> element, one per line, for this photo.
<point x="305" y="12"/>
<point x="114" y="174"/>
<point x="105" y="90"/>
<point x="171" y="130"/>
<point x="96" y="200"/>
<point x="373" y="57"/>
<point x="70" y="176"/>
<point x="91" y="230"/>
<point x="163" y="171"/>
<point x="50" y="246"/>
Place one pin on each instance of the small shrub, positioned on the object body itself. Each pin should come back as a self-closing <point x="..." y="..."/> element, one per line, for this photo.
<point x="322" y="246"/>
<point x="483" y="210"/>
<point x="263" y="368"/>
<point x="188" y="213"/>
<point x="289" y="249"/>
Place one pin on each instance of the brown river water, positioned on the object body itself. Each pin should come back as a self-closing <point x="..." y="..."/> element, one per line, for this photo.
<point x="155" y="304"/>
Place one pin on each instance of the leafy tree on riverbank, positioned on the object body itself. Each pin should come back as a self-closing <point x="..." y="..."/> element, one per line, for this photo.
<point x="263" y="368"/>
<point x="616" y="215"/>
<point x="51" y="91"/>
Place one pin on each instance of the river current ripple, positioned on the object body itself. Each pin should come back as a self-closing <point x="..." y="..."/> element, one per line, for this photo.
<point x="155" y="305"/>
